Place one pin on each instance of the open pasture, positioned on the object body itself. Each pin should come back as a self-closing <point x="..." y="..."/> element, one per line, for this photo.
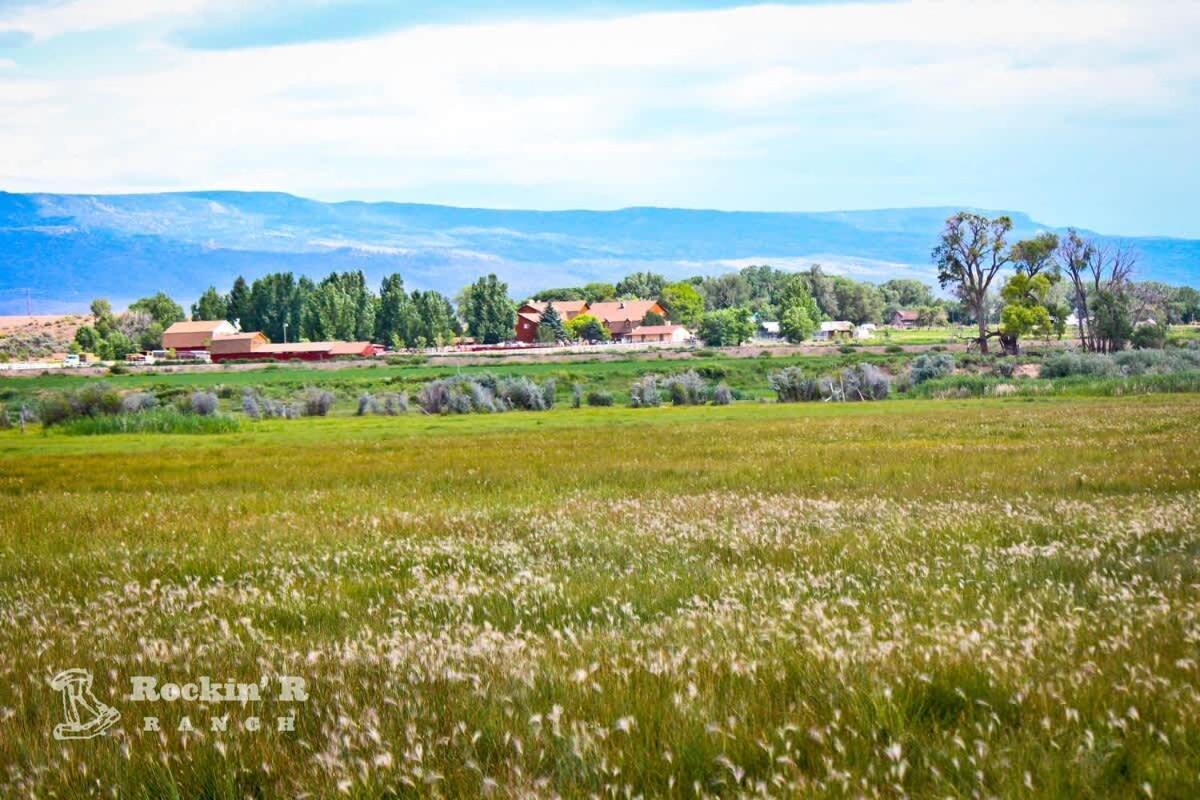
<point x="963" y="598"/>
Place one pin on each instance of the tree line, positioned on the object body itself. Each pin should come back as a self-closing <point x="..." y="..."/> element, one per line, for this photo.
<point x="1051" y="278"/>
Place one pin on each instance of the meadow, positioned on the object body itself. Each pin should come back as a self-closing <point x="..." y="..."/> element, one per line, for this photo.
<point x="959" y="598"/>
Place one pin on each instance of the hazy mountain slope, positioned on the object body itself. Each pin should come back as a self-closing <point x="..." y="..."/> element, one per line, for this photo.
<point x="65" y="249"/>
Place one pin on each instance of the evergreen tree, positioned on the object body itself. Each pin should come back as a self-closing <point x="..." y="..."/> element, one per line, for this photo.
<point x="237" y="306"/>
<point x="553" y="324"/>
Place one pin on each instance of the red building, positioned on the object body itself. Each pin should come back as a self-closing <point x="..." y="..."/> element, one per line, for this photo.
<point x="529" y="316"/>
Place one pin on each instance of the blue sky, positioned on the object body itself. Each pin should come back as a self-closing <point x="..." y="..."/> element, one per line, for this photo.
<point x="1075" y="112"/>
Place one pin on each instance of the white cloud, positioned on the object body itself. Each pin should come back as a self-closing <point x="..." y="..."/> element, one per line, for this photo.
<point x="616" y="108"/>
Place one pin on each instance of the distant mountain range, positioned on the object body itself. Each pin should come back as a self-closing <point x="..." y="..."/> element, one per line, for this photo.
<point x="60" y="251"/>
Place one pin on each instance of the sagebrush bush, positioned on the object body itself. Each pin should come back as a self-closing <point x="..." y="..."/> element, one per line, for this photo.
<point x="791" y="385"/>
<point x="316" y="402"/>
<point x="931" y="365"/>
<point x="688" y="389"/>
<point x="137" y="402"/>
<point x="722" y="395"/>
<point x="860" y="383"/>
<point x="645" y="393"/>
<point x="576" y="396"/>
<point x="204" y="404"/>
<point x="367" y="404"/>
<point x="484" y="394"/>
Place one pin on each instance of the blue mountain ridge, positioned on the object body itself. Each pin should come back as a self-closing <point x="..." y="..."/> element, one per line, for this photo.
<point x="60" y="251"/>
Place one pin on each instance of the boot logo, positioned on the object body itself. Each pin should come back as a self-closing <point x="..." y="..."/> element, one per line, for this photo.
<point x="85" y="717"/>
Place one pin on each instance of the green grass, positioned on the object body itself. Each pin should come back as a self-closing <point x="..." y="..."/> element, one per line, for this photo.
<point x="924" y="598"/>
<point x="160" y="420"/>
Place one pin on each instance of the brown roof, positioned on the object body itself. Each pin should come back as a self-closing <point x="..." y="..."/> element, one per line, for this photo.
<point x="194" y="334"/>
<point x="351" y="348"/>
<point x="536" y="319"/>
<point x="566" y="308"/>
<point x="238" y="343"/>
<point x="624" y="310"/>
<point x="910" y="316"/>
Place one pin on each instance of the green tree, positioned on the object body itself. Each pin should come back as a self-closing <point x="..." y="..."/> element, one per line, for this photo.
<point x="489" y="313"/>
<point x="971" y="252"/>
<point x="569" y="293"/>
<point x="588" y="328"/>
<point x="642" y="285"/>
<point x="161" y="308"/>
<point x="103" y="320"/>
<point x="551" y="326"/>
<point x="728" y="327"/>
<point x="906" y="293"/>
<point x="238" y="306"/>
<point x="599" y="292"/>
<point x="278" y="300"/>
<point x="796" y="323"/>
<point x="1026" y="309"/>
<point x="823" y="290"/>
<point x="341" y="307"/>
<point x="858" y="302"/>
<point x="88" y="339"/>
<point x="394" y="313"/>
<point x="211" y="306"/>
<point x="433" y="321"/>
<point x="683" y="304"/>
<point x="1112" y="319"/>
<point x="1034" y="256"/>
<point x="730" y="290"/>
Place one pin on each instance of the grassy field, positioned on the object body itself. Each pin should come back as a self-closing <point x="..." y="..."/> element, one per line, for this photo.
<point x="957" y="598"/>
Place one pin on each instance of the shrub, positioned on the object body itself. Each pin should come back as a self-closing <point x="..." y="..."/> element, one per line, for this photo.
<point x="715" y="372"/>
<point x="862" y="382"/>
<point x="316" y="402"/>
<point x="644" y="393"/>
<point x="931" y="365"/>
<point x="367" y="404"/>
<point x="94" y="400"/>
<point x="576" y="396"/>
<point x="54" y="409"/>
<point x="1150" y="337"/>
<point x="688" y="389"/>
<point x="523" y="394"/>
<point x="791" y="385"/>
<point x="893" y="348"/>
<point x="204" y="404"/>
<point x="138" y="402"/>
<point x="722" y="395"/>
<point x="599" y="397"/>
<point x="1128" y="363"/>
<point x="846" y="349"/>
<point x="395" y="404"/>
<point x="250" y="405"/>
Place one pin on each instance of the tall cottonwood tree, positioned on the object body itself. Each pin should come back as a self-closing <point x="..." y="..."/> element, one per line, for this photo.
<point x="972" y="251"/>
<point x="1099" y="277"/>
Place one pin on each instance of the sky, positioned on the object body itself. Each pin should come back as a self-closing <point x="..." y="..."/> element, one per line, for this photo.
<point x="1078" y="112"/>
